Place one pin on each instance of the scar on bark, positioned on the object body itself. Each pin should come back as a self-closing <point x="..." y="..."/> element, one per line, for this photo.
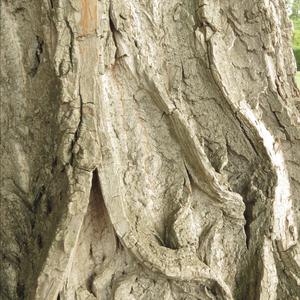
<point x="37" y="59"/>
<point x="97" y="202"/>
<point x="97" y="235"/>
<point x="96" y="190"/>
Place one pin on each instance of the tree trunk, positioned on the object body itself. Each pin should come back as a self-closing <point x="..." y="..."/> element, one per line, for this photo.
<point x="150" y="150"/>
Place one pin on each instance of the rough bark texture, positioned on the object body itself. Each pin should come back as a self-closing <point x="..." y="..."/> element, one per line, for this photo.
<point x="150" y="150"/>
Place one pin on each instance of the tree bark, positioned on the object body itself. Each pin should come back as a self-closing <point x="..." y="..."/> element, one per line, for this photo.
<point x="150" y="150"/>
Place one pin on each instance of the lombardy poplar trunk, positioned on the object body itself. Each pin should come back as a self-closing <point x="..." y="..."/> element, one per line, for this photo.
<point x="149" y="150"/>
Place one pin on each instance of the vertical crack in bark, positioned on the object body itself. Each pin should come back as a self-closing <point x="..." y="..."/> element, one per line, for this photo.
<point x="282" y="127"/>
<point x="247" y="135"/>
<point x="51" y="4"/>
<point x="248" y="214"/>
<point x="71" y="45"/>
<point x="37" y="59"/>
<point x="113" y="28"/>
<point x="77" y="133"/>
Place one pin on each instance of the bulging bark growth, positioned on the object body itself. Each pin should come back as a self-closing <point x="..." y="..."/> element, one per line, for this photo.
<point x="150" y="150"/>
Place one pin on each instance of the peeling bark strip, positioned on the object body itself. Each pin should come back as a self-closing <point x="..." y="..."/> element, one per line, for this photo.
<point x="89" y="19"/>
<point x="151" y="150"/>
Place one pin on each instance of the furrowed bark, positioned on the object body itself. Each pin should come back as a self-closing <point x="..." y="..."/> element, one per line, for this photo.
<point x="150" y="150"/>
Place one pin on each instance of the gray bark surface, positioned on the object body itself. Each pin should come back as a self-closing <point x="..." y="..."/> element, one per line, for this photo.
<point x="149" y="150"/>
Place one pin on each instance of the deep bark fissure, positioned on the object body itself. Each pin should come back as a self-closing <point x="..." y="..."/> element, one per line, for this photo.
<point x="38" y="56"/>
<point x="154" y="151"/>
<point x="77" y="131"/>
<point x="71" y="46"/>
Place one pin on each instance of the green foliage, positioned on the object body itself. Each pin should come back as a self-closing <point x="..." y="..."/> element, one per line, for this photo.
<point x="298" y="78"/>
<point x="296" y="35"/>
<point x="296" y="40"/>
<point x="296" y="45"/>
<point x="295" y="8"/>
<point x="297" y="56"/>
